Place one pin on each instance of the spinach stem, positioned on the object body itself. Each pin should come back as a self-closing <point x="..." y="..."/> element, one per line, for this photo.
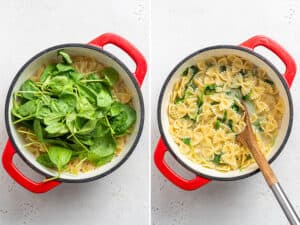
<point x="40" y="92"/>
<point x="87" y="81"/>
<point x="22" y="119"/>
<point x="79" y="142"/>
<point x="108" y="123"/>
<point x="52" y="178"/>
<point x="80" y="163"/>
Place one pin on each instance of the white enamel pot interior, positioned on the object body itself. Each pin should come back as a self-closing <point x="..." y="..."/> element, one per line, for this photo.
<point x="103" y="57"/>
<point x="203" y="54"/>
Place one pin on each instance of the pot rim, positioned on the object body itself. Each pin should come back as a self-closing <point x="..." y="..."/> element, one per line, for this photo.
<point x="128" y="73"/>
<point x="162" y="93"/>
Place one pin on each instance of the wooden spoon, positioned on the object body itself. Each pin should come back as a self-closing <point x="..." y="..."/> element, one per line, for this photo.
<point x="248" y="139"/>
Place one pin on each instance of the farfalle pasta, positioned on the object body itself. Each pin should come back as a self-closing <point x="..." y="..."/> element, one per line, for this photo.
<point x="205" y="111"/>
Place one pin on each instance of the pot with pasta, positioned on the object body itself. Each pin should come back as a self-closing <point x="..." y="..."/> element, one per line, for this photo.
<point x="74" y="113"/>
<point x="200" y="111"/>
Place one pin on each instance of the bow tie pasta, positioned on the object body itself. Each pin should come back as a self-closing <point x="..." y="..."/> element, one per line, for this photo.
<point x="206" y="114"/>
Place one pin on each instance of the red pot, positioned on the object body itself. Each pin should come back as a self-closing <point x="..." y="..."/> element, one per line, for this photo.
<point x="133" y="81"/>
<point x="245" y="50"/>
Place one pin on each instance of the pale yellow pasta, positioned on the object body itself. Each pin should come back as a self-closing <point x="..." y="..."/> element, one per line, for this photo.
<point x="206" y="114"/>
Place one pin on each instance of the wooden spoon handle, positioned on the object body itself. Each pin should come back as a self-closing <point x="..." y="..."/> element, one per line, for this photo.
<point x="256" y="152"/>
<point x="262" y="162"/>
<point x="247" y="138"/>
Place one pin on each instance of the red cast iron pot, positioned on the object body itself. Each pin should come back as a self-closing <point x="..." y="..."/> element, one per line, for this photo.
<point x="133" y="80"/>
<point x="245" y="50"/>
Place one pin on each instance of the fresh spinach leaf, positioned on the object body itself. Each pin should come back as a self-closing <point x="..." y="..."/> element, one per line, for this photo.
<point x="102" y="148"/>
<point x="83" y="104"/>
<point x="104" y="99"/>
<point x="47" y="72"/>
<point x="65" y="56"/>
<point x="57" y="142"/>
<point x="124" y="120"/>
<point x="59" y="156"/>
<point x="101" y="130"/>
<point x="88" y="142"/>
<point x="57" y="129"/>
<point x="28" y="108"/>
<point x="84" y="108"/>
<point x="37" y="128"/>
<point x="57" y="84"/>
<point x="42" y="112"/>
<point x="88" y="127"/>
<point x="44" y="160"/>
<point x="105" y="160"/>
<point x="64" y="68"/>
<point x="96" y="86"/>
<point x="76" y="76"/>
<point x="116" y="108"/>
<point x="59" y="106"/>
<point x="14" y="112"/>
<point x="87" y="92"/>
<point x="70" y="100"/>
<point x="110" y="75"/>
<point x="79" y="122"/>
<point x="70" y="122"/>
<point x="52" y="118"/>
<point x="29" y="90"/>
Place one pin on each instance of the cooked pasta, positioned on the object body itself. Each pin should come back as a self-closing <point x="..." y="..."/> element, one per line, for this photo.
<point x="85" y="66"/>
<point x="205" y="111"/>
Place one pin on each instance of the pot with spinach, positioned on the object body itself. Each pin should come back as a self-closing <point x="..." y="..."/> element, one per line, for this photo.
<point x="74" y="113"/>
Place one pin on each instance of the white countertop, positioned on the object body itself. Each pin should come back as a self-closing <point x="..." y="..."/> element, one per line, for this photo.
<point x="178" y="29"/>
<point x="28" y="27"/>
<point x="182" y="27"/>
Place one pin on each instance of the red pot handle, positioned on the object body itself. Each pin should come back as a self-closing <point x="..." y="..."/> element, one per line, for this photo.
<point x="161" y="164"/>
<point x="290" y="65"/>
<point x="9" y="166"/>
<point x="138" y="58"/>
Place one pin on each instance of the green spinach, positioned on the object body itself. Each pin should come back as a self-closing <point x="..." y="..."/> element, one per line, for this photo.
<point x="186" y="140"/>
<point x="59" y="156"/>
<point x="73" y="115"/>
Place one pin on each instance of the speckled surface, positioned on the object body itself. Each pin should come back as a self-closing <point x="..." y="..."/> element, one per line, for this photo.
<point x="182" y="27"/>
<point x="28" y="27"/>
